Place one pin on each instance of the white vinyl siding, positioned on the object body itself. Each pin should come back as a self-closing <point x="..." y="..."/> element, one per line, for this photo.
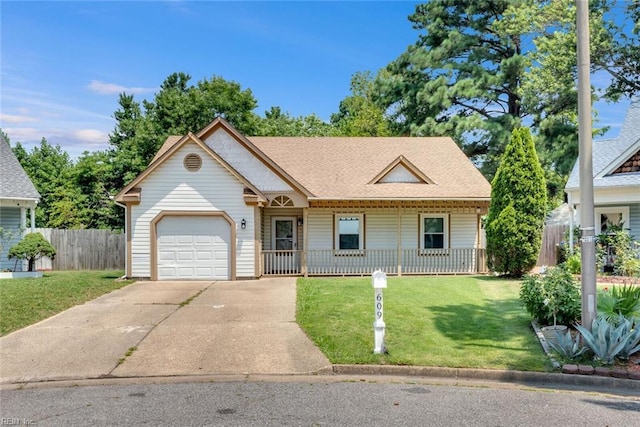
<point x="11" y="221"/>
<point x="464" y="230"/>
<point x="172" y="188"/>
<point x="381" y="230"/>
<point x="320" y="229"/>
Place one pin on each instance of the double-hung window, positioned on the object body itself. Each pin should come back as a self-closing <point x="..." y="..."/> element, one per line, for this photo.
<point x="349" y="231"/>
<point x="611" y="216"/>
<point x="434" y="231"/>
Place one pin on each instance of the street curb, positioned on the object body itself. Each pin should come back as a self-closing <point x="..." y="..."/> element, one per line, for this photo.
<point x="523" y="377"/>
<point x="534" y="379"/>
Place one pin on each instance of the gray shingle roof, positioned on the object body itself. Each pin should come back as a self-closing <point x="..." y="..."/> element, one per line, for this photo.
<point x="14" y="182"/>
<point x="607" y="154"/>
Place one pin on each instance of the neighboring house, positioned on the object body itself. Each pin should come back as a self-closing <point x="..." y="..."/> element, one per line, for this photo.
<point x="17" y="195"/>
<point x="219" y="205"/>
<point x="616" y="178"/>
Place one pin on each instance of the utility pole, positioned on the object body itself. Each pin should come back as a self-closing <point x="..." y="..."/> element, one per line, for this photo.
<point x="588" y="247"/>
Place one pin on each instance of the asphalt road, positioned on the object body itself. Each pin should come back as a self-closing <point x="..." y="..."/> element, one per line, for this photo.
<point x="309" y="402"/>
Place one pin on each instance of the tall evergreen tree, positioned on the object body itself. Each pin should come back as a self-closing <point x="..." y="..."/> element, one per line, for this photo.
<point x="518" y="206"/>
<point x="461" y="78"/>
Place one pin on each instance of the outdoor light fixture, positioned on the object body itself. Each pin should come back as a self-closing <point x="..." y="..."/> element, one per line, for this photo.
<point x="243" y="223"/>
<point x="299" y="221"/>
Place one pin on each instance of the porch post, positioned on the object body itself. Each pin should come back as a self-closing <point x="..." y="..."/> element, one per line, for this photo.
<point x="399" y="241"/>
<point x="33" y="218"/>
<point x="305" y="241"/>
<point x="479" y="267"/>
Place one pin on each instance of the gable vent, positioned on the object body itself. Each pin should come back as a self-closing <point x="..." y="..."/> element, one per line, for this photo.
<point x="192" y="162"/>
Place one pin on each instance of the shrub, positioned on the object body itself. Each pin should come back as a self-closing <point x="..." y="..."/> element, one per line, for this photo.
<point x="617" y="251"/>
<point x="518" y="206"/>
<point x="574" y="262"/>
<point x="553" y="297"/>
<point x="31" y="247"/>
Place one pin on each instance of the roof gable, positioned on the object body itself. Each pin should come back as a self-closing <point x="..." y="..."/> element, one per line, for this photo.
<point x="610" y="155"/>
<point x="167" y="150"/>
<point x="401" y="170"/>
<point x="14" y="181"/>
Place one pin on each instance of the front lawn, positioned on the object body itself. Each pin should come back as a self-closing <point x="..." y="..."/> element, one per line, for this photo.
<point x="450" y="321"/>
<point x="26" y="301"/>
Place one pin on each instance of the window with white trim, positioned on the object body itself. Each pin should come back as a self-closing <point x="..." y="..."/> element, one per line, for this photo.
<point x="605" y="217"/>
<point x="434" y="231"/>
<point x="349" y="231"/>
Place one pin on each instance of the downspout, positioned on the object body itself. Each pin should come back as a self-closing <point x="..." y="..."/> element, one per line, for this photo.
<point x="573" y="212"/>
<point x="32" y="211"/>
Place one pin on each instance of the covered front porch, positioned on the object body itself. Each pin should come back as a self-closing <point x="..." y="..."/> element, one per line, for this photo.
<point x="400" y="238"/>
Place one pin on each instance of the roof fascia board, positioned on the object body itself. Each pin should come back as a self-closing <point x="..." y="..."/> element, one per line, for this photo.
<point x="404" y="199"/>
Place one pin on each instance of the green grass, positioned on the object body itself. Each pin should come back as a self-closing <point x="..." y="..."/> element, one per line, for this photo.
<point x="24" y="302"/>
<point x="449" y="321"/>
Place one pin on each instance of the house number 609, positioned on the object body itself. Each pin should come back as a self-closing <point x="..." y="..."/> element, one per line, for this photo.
<point x="379" y="306"/>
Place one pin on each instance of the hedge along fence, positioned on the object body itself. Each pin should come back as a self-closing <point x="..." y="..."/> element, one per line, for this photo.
<point x="84" y="249"/>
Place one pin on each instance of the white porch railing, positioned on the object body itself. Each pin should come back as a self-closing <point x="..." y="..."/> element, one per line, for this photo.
<point x="281" y="262"/>
<point x="362" y="262"/>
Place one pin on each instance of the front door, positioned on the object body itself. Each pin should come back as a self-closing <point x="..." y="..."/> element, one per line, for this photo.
<point x="285" y="243"/>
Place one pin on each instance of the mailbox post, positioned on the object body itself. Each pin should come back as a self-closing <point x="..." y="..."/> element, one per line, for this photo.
<point x="379" y="282"/>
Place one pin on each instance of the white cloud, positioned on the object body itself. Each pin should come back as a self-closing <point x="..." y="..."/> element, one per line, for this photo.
<point x="92" y="136"/>
<point x="73" y="142"/>
<point x="104" y="88"/>
<point x="13" y="118"/>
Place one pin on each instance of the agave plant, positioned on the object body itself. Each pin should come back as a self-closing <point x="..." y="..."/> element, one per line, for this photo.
<point x="568" y="346"/>
<point x="605" y="340"/>
<point x="633" y="341"/>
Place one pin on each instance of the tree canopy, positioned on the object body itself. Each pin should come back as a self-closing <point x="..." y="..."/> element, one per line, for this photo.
<point x="478" y="70"/>
<point x="481" y="68"/>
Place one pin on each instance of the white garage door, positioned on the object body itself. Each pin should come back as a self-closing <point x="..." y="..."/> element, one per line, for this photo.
<point x="193" y="248"/>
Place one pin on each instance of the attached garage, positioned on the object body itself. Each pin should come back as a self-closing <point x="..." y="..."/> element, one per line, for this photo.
<point x="193" y="247"/>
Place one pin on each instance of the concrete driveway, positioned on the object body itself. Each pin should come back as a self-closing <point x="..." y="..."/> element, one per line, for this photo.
<point x="167" y="329"/>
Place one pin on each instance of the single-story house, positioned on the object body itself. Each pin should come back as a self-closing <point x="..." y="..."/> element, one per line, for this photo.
<point x="616" y="178"/>
<point x="17" y="196"/>
<point x="221" y="205"/>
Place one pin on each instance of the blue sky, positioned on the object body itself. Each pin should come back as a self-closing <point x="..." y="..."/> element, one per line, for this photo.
<point x="63" y="64"/>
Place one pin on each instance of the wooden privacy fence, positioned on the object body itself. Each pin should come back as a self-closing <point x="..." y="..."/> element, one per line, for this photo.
<point x="84" y="250"/>
<point x="552" y="235"/>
